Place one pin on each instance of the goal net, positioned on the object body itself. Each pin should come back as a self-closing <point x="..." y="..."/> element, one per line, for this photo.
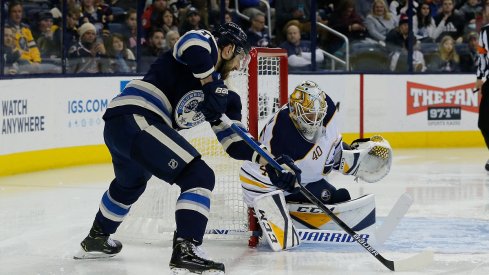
<point x="262" y="86"/>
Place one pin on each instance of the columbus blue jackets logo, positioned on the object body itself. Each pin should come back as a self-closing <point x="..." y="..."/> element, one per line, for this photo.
<point x="186" y="114"/>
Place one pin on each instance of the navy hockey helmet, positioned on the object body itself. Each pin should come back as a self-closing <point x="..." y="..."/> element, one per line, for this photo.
<point x="231" y="33"/>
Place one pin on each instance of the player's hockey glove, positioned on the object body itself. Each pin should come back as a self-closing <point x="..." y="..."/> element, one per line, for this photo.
<point x="215" y="100"/>
<point x="285" y="181"/>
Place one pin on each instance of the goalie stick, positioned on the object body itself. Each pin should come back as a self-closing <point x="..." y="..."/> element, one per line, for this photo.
<point x="422" y="259"/>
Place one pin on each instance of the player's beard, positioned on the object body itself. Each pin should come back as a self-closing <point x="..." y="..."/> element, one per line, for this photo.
<point x="225" y="68"/>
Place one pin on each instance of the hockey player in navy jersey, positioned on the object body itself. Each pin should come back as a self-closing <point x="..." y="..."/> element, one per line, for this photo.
<point x="315" y="145"/>
<point x="182" y="88"/>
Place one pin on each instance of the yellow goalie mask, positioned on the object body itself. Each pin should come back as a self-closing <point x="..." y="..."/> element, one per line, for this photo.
<point x="308" y="108"/>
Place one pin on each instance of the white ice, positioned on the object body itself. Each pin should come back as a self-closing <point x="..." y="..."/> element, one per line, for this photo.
<point x="45" y="215"/>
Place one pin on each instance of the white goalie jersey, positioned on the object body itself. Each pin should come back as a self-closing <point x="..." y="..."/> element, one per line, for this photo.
<point x="280" y="136"/>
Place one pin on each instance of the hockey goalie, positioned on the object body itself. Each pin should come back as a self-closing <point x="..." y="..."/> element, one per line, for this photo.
<point x="306" y="130"/>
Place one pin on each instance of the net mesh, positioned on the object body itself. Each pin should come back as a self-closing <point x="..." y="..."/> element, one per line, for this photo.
<point x="152" y="217"/>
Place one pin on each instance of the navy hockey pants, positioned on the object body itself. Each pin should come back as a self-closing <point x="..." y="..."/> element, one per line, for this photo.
<point x="141" y="147"/>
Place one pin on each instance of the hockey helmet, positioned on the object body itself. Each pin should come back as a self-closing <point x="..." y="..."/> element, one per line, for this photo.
<point x="231" y="33"/>
<point x="308" y="108"/>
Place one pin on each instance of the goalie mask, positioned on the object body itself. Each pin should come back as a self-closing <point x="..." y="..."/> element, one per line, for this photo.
<point x="308" y="108"/>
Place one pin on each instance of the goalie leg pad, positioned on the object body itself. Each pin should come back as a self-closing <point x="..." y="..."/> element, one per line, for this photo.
<point x="275" y="221"/>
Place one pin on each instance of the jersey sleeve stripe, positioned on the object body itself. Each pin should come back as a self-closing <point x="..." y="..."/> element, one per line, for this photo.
<point x="204" y="74"/>
<point x="152" y="90"/>
<point x="138" y="101"/>
<point x="188" y="40"/>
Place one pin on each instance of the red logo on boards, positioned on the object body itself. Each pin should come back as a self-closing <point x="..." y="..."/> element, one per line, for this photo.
<point x="421" y="96"/>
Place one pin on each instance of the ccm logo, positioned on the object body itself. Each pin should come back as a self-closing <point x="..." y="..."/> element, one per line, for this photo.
<point x="307" y="209"/>
<point x="268" y="228"/>
<point x="221" y="91"/>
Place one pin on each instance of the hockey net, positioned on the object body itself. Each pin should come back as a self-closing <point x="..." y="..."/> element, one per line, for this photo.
<point x="262" y="86"/>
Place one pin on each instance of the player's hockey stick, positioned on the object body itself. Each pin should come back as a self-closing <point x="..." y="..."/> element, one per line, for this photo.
<point x="414" y="262"/>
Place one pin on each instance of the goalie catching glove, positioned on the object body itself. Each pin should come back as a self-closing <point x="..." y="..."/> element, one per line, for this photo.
<point x="369" y="159"/>
<point x="285" y="181"/>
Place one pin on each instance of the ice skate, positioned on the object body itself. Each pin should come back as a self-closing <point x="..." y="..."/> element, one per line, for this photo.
<point x="98" y="245"/>
<point x="487" y="166"/>
<point x="187" y="258"/>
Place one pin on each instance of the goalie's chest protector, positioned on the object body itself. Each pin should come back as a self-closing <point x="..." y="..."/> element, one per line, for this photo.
<point x="315" y="159"/>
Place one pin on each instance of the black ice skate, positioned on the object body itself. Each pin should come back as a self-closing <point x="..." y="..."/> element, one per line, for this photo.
<point x="187" y="257"/>
<point x="487" y="166"/>
<point x="98" y="245"/>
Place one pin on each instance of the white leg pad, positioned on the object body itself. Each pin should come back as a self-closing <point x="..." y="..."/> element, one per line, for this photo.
<point x="274" y="219"/>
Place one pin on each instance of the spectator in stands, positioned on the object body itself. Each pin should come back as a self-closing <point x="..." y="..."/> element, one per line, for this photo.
<point x="453" y="24"/>
<point x="154" y="47"/>
<point x="250" y="7"/>
<point x="98" y="14"/>
<point x="130" y="30"/>
<point x="123" y="4"/>
<point x="483" y="18"/>
<point x="71" y="36"/>
<point x="11" y="55"/>
<point x="468" y="58"/>
<point x="424" y="26"/>
<point x="180" y="9"/>
<point x="399" y="7"/>
<point x="171" y="38"/>
<point x="298" y="51"/>
<point x="363" y="8"/>
<point x="397" y="43"/>
<point x="152" y="14"/>
<point x="470" y="9"/>
<point x="287" y="10"/>
<point x="24" y="41"/>
<point x="228" y="17"/>
<point x="398" y="37"/>
<point x="345" y="20"/>
<point x="193" y="21"/>
<point x="215" y="16"/>
<point x="121" y="59"/>
<point x="89" y="55"/>
<point x="258" y="33"/>
<point x="202" y="7"/>
<point x="380" y="21"/>
<point x="48" y="37"/>
<point x="168" y="21"/>
<point x="447" y="59"/>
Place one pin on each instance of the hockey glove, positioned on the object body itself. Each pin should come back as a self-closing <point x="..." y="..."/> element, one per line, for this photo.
<point x="285" y="181"/>
<point x="215" y="100"/>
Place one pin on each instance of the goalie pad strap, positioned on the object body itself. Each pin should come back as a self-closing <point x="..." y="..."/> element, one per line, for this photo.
<point x="275" y="221"/>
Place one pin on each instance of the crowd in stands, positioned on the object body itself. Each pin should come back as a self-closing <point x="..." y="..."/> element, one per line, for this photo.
<point x="101" y="36"/>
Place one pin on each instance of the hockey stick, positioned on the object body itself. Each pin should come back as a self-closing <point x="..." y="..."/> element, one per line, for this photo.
<point x="416" y="261"/>
<point x="393" y="218"/>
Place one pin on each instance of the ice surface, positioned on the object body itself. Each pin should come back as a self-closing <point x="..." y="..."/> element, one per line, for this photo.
<point x="45" y="215"/>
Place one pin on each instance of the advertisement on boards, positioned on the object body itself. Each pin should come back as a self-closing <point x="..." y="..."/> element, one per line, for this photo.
<point x="420" y="103"/>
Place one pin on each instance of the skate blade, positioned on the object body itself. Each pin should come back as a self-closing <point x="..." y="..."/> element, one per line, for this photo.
<point x="184" y="271"/>
<point x="82" y="254"/>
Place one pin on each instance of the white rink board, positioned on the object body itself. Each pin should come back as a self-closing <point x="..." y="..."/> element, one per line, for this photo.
<point x="398" y="103"/>
<point x="71" y="108"/>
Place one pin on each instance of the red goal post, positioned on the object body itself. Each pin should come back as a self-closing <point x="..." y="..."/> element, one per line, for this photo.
<point x="253" y="76"/>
